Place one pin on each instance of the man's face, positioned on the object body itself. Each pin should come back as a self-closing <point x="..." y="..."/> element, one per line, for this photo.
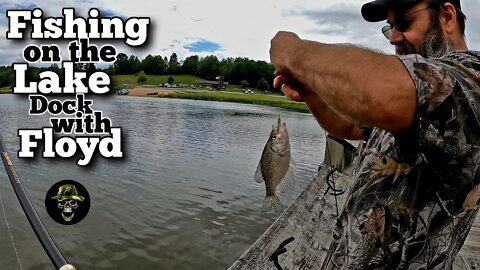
<point x="424" y="36"/>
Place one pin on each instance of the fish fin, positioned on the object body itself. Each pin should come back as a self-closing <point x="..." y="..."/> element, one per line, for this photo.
<point x="288" y="183"/>
<point x="272" y="203"/>
<point x="258" y="174"/>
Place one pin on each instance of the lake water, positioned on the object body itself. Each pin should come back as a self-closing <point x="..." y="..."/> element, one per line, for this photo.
<point x="183" y="197"/>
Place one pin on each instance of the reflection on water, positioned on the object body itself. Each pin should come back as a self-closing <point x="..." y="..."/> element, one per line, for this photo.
<point x="183" y="197"/>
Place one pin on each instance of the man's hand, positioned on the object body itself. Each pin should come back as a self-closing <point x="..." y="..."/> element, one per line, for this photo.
<point x="336" y="125"/>
<point x="284" y="46"/>
<point x="291" y="90"/>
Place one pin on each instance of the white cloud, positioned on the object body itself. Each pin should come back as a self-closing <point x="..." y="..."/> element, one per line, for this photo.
<point x="241" y="28"/>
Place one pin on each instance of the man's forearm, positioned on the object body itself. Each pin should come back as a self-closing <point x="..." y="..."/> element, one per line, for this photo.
<point x="361" y="84"/>
<point x="335" y="124"/>
<point x="368" y="87"/>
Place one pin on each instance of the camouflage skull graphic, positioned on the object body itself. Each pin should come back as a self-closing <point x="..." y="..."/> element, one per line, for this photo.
<point x="68" y="198"/>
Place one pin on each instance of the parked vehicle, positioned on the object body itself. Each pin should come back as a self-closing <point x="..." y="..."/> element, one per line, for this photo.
<point x="123" y="91"/>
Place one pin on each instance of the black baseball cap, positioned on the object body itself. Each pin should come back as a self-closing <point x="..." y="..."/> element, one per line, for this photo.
<point x="376" y="11"/>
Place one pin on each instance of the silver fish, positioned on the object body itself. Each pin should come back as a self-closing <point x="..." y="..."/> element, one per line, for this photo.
<point x="276" y="166"/>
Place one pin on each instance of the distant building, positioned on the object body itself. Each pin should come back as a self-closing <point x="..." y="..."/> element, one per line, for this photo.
<point x="215" y="85"/>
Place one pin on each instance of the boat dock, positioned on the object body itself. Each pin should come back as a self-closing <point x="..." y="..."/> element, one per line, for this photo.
<point x="300" y="237"/>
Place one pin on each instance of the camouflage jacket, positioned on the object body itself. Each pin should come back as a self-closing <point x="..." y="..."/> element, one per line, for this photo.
<point x="415" y="195"/>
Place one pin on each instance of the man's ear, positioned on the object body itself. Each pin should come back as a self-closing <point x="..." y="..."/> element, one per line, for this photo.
<point x="449" y="18"/>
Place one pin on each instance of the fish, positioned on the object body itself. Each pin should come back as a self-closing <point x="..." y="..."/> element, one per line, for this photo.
<point x="276" y="167"/>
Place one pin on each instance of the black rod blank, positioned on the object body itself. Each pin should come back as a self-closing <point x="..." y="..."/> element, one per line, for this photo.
<point x="42" y="234"/>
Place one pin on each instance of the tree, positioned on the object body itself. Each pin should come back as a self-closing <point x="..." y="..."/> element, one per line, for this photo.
<point x="238" y="71"/>
<point x="6" y="76"/>
<point x="173" y="64"/>
<point x="121" y="64"/>
<point x="142" y="77"/>
<point x="244" y="84"/>
<point x="190" y="65"/>
<point x="127" y="65"/>
<point x="265" y="70"/>
<point x="134" y="64"/>
<point x="263" y="84"/>
<point x="154" y="65"/>
<point x="110" y="70"/>
<point x="232" y="70"/>
<point x="209" y="67"/>
<point x="170" y="80"/>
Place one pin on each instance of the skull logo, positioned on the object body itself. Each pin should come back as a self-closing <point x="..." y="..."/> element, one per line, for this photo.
<point x="67" y="207"/>
<point x="68" y="199"/>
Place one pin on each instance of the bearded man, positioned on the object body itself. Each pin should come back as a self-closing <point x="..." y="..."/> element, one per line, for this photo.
<point x="416" y="189"/>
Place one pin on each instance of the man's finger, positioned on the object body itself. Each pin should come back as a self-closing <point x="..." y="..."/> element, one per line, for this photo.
<point x="279" y="80"/>
<point x="279" y="72"/>
<point x="291" y="93"/>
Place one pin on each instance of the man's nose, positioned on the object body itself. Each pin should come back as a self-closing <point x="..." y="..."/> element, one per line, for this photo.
<point x="397" y="37"/>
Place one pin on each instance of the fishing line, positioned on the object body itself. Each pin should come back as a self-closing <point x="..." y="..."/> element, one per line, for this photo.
<point x="330" y="176"/>
<point x="10" y="232"/>
<point x="41" y="232"/>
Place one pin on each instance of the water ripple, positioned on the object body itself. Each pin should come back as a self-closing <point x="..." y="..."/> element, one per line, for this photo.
<point x="183" y="197"/>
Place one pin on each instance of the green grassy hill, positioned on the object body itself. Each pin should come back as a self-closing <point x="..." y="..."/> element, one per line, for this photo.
<point x="126" y="81"/>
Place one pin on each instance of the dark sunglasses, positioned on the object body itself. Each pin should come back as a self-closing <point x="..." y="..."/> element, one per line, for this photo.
<point x="400" y="23"/>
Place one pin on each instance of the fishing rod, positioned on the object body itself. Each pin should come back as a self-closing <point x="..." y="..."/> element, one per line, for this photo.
<point x="43" y="236"/>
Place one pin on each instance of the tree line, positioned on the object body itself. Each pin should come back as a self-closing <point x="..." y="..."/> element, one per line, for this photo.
<point x="7" y="75"/>
<point x="231" y="70"/>
<point x="239" y="71"/>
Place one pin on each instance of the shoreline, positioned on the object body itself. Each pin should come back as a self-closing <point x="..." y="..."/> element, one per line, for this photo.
<point x="150" y="91"/>
<point x="219" y="96"/>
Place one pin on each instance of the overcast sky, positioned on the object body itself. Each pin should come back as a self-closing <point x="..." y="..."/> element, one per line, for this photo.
<point x="228" y="28"/>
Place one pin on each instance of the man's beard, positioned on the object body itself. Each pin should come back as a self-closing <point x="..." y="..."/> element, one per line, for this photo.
<point x="435" y="45"/>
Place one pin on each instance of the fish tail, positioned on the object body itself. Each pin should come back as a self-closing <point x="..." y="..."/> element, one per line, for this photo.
<point x="272" y="203"/>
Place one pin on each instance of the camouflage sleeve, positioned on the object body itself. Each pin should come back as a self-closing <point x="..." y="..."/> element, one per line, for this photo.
<point x="448" y="126"/>
<point x="447" y="88"/>
<point x="432" y="80"/>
